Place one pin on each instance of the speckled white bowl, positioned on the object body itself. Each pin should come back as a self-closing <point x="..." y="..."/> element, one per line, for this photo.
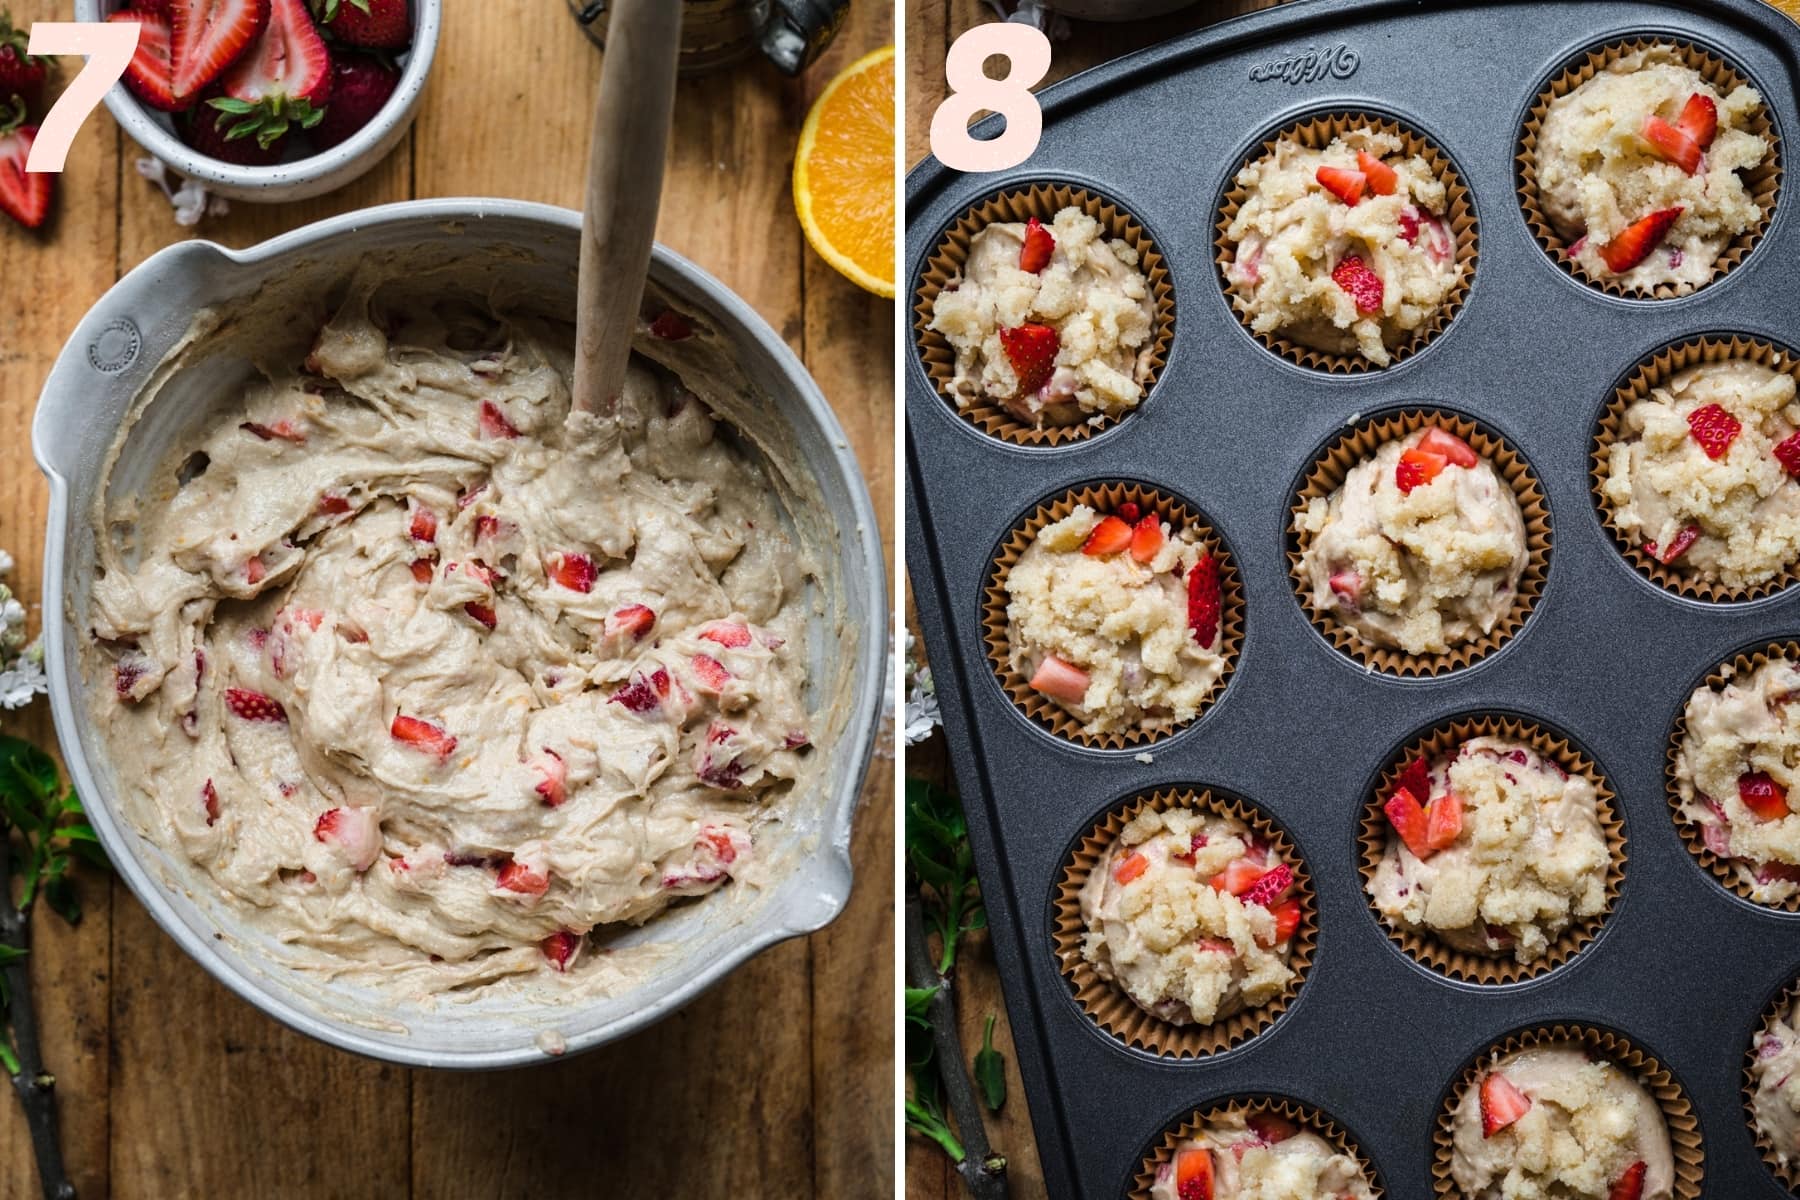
<point x="314" y="175"/>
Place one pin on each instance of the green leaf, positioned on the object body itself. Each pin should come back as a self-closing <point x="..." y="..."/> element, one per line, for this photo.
<point x="77" y="832"/>
<point x="990" y="1070"/>
<point x="918" y="1002"/>
<point x="232" y="105"/>
<point x="243" y="129"/>
<point x="931" y="1125"/>
<point x="8" y="1059"/>
<point x="11" y="954"/>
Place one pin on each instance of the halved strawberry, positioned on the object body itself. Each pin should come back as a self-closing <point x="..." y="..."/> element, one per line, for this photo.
<point x="515" y="876"/>
<point x="560" y="948"/>
<point x="573" y="570"/>
<point x="1382" y="179"/>
<point x="1699" y="119"/>
<point x="1272" y="1128"/>
<point x="1034" y="255"/>
<point x="1763" y="796"/>
<point x="1203" y="603"/>
<point x="1345" y="184"/>
<point x="1147" y="538"/>
<point x="253" y="706"/>
<point x="553" y="774"/>
<point x="206" y="36"/>
<point x="282" y="81"/>
<point x="1062" y="680"/>
<point x="1130" y="867"/>
<point x="729" y="634"/>
<point x="1364" y="285"/>
<point x="1629" y="1185"/>
<point x="374" y="24"/>
<point x="24" y="195"/>
<point x="151" y="74"/>
<point x="1637" y="240"/>
<point x="1453" y="448"/>
<point x="1272" y="886"/>
<point x="1031" y="349"/>
<point x="1787" y="453"/>
<point x="493" y="423"/>
<point x="633" y="621"/>
<point x="1194" y="1175"/>
<point x="422" y="736"/>
<point x="1409" y="821"/>
<point x="1417" y="468"/>
<point x="1501" y="1103"/>
<point x="1110" y="536"/>
<point x="1671" y="144"/>
<point x="1238" y="877"/>
<point x="1443" y="821"/>
<point x="1714" y="428"/>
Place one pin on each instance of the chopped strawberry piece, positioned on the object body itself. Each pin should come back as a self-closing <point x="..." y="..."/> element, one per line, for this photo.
<point x="1345" y="184"/>
<point x="423" y="736"/>
<point x="1417" y="468"/>
<point x="423" y="526"/>
<point x="1034" y="255"/>
<point x="1062" y="680"/>
<point x="1501" y="1104"/>
<point x="671" y="326"/>
<point x="1203" y="603"/>
<point x="1213" y="945"/>
<point x="1031" y="350"/>
<point x="1364" y="285"/>
<point x="1130" y="867"/>
<point x="353" y="832"/>
<point x="1453" y="448"/>
<point x="1346" y="585"/>
<point x="1272" y="886"/>
<point x="1383" y="180"/>
<point x="312" y="618"/>
<point x="1128" y="512"/>
<point x="482" y="614"/>
<point x="515" y="876"/>
<point x="1714" y="428"/>
<point x="573" y="571"/>
<point x="1630" y="1185"/>
<point x="638" y="696"/>
<point x="493" y="423"/>
<point x="1677" y="545"/>
<point x="1777" y="872"/>
<point x="332" y="505"/>
<point x="553" y="774"/>
<point x="1409" y="225"/>
<point x="1416" y="778"/>
<point x="729" y="634"/>
<point x="254" y="569"/>
<point x="1443" y="821"/>
<point x="1238" y="877"/>
<point x="1699" y="119"/>
<point x="719" y="839"/>
<point x="1287" y="919"/>
<point x="561" y="948"/>
<point x="1671" y="144"/>
<point x="1147" y="538"/>
<point x="253" y="706"/>
<point x="421" y="569"/>
<point x="1271" y="1128"/>
<point x="1787" y="453"/>
<point x="1637" y="240"/>
<point x="1763" y="796"/>
<point x="285" y="429"/>
<point x="1409" y="821"/>
<point x="633" y="620"/>
<point x="209" y="796"/>
<point x="1110" y="536"/>
<point x="1194" y="1175"/>
<point x="710" y="672"/>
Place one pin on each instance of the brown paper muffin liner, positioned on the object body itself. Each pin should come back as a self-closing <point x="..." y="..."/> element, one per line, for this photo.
<point x="1305" y="1116"/>
<point x="1431" y="950"/>
<point x="1601" y="1045"/>
<point x="1788" y="1173"/>
<point x="1316" y="133"/>
<point x="1106" y="498"/>
<point x="1724" y="870"/>
<point x="1043" y="201"/>
<point x="1327" y="476"/>
<point x="1764" y="183"/>
<point x="1106" y="1003"/>
<point x="1653" y="373"/>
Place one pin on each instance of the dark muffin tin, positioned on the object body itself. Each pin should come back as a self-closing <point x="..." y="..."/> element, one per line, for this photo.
<point x="1682" y="966"/>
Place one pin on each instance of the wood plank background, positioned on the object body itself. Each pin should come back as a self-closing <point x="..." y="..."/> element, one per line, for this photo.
<point x="779" y="1082"/>
<point x="931" y="25"/>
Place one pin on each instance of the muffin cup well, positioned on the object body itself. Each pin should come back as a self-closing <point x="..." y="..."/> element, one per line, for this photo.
<point x="1655" y="372"/>
<point x="1764" y="182"/>
<point x="1305" y="1116"/>
<point x="1600" y="1044"/>
<point x="1788" y="1173"/>
<point x="1327" y="476"/>
<point x="1423" y="945"/>
<point x="1724" y="870"/>
<point x="1043" y="201"/>
<point x="1105" y="498"/>
<point x="1106" y="1003"/>
<point x="1316" y="133"/>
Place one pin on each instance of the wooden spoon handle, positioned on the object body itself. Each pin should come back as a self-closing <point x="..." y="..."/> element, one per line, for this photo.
<point x="624" y="185"/>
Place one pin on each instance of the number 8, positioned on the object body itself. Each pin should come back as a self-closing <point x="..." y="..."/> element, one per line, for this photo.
<point x="1027" y="51"/>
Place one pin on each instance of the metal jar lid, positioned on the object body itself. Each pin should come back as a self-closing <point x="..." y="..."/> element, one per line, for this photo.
<point x="790" y="33"/>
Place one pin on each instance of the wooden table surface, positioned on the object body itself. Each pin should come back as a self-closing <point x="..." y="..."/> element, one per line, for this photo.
<point x="931" y="25"/>
<point x="776" y="1084"/>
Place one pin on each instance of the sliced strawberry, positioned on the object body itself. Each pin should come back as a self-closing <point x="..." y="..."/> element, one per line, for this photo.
<point x="1271" y="1128"/>
<point x="1699" y="119"/>
<point x="253" y="706"/>
<point x="729" y="634"/>
<point x="1417" y="468"/>
<point x="633" y="621"/>
<point x="560" y="948"/>
<point x="1443" y="821"/>
<point x="553" y="775"/>
<point x="1410" y="822"/>
<point x="1287" y="920"/>
<point x="493" y="423"/>
<point x="286" y="74"/>
<point x="1787" y="453"/>
<point x="1272" y="886"/>
<point x="151" y="74"/>
<point x="209" y="796"/>
<point x="24" y="195"/>
<point x="1238" y="877"/>
<point x="1763" y="796"/>
<point x="1671" y="144"/>
<point x="1637" y="240"/>
<point x="1345" y="184"/>
<point x="1034" y="255"/>
<point x="671" y="326"/>
<point x="515" y="876"/>
<point x="1031" y="349"/>
<point x="1630" y="1185"/>
<point x="482" y="614"/>
<point x="1501" y="1103"/>
<point x="1110" y="536"/>
<point x="422" y="736"/>
<point x="1062" y="680"/>
<point x="1364" y="285"/>
<point x="352" y="832"/>
<point x="572" y="570"/>
<point x="206" y="36"/>
<point x="1194" y="1175"/>
<point x="1453" y="448"/>
<point x="1147" y="538"/>
<point x="710" y="672"/>
<point x="373" y="24"/>
<point x="1203" y="601"/>
<point x="1714" y="428"/>
<point x="1383" y="179"/>
<point x="1416" y="778"/>
<point x="1130" y="867"/>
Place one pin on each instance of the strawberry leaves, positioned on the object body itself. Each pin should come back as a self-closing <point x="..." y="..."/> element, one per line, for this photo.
<point x="269" y="120"/>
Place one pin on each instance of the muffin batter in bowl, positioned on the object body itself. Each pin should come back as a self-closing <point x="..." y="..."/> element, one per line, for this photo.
<point x="1420" y="549"/>
<point x="430" y="679"/>
<point x="1260" y="1156"/>
<point x="1053" y="322"/>
<point x="1775" y="1070"/>
<point x="1549" y="1122"/>
<point x="1699" y="474"/>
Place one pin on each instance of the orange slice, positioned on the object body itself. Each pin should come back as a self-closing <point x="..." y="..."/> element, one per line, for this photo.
<point x="844" y="173"/>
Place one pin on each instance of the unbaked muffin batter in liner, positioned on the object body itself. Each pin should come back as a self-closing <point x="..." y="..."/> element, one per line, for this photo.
<point x="1307" y="1118"/>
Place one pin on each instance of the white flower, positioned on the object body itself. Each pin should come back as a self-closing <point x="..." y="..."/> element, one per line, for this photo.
<point x="6" y="563"/>
<point x="190" y="199"/>
<point x="23" y="680"/>
<point x="922" y="713"/>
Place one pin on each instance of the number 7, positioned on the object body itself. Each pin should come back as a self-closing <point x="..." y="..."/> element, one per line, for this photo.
<point x="108" y="46"/>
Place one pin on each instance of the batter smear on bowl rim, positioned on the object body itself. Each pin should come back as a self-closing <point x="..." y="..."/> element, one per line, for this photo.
<point x="430" y="679"/>
<point x="1259" y="1156"/>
